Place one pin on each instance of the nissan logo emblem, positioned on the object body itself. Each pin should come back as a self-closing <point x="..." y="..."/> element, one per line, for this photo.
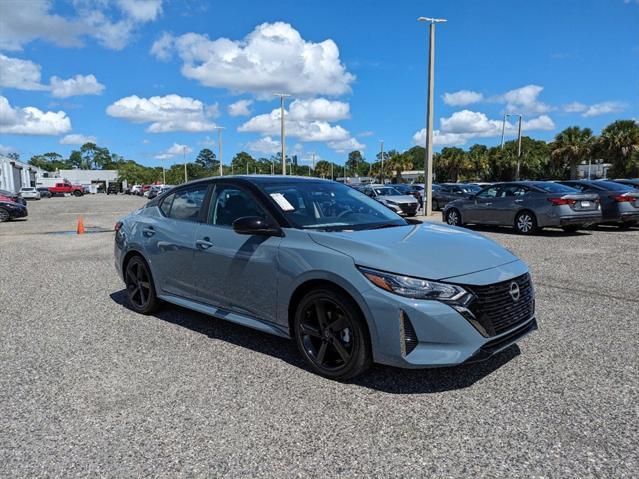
<point x="514" y="291"/>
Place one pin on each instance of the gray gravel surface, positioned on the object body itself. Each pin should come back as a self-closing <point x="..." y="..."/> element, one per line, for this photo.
<point x="90" y="388"/>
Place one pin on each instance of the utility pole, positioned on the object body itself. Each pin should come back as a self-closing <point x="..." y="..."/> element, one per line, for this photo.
<point x="332" y="177"/>
<point x="219" y="147"/>
<point x="282" y="133"/>
<point x="163" y="172"/>
<point x="313" y="162"/>
<point x="184" y="154"/>
<point x="518" y="150"/>
<point x="381" y="175"/>
<point x="503" y="130"/>
<point x="428" y="170"/>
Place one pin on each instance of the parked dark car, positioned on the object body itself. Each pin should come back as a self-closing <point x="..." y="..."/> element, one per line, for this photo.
<point x="527" y="206"/>
<point x="44" y="192"/>
<point x="10" y="210"/>
<point x="619" y="203"/>
<point x="15" y="197"/>
<point x="112" y="189"/>
<point x="448" y="192"/>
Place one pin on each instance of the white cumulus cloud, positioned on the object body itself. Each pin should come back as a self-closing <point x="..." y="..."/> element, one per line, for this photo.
<point x="111" y="23"/>
<point x="524" y="100"/>
<point x="77" y="139"/>
<point x="319" y="109"/>
<point x="603" y="108"/>
<point x="265" y="145"/>
<point x="463" y="98"/>
<point x="344" y="146"/>
<point x="31" y="121"/>
<point x="240" y="108"/>
<point x="273" y="57"/>
<point x="166" y="113"/>
<point x="78" y="85"/>
<point x="20" y="74"/>
<point x="174" y="150"/>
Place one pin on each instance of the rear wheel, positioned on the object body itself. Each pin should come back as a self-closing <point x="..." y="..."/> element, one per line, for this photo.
<point x="139" y="286"/>
<point x="77" y="193"/>
<point x="526" y="223"/>
<point x="4" y="215"/>
<point x="331" y="334"/>
<point x="453" y="217"/>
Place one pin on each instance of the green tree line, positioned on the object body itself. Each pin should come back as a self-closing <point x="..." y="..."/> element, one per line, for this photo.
<point x="618" y="144"/>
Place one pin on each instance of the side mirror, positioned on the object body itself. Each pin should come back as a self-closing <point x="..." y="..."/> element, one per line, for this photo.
<point x="254" y="225"/>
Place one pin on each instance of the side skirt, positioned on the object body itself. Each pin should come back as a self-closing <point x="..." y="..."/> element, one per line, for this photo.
<point x="254" y="323"/>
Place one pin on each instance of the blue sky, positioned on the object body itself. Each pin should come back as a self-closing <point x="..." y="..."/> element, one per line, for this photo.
<point x="147" y="77"/>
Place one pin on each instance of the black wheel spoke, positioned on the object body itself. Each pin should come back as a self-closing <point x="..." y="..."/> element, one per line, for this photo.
<point x="339" y="324"/>
<point x="322" y="352"/>
<point x="320" y="311"/>
<point x="337" y="345"/>
<point x="131" y="277"/>
<point x="142" y="296"/>
<point x="309" y="330"/>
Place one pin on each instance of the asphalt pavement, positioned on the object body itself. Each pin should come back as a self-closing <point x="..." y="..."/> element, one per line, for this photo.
<point x="90" y="388"/>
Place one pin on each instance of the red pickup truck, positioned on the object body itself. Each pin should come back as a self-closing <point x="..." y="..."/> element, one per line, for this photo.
<point x="66" y="187"/>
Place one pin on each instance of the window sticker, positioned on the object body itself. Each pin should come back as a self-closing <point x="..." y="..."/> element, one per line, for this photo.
<point x="282" y="202"/>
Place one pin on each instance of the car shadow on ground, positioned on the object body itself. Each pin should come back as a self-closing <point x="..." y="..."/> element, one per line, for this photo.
<point x="544" y="233"/>
<point x="381" y="378"/>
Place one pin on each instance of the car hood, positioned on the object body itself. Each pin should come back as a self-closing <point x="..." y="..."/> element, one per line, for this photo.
<point x="424" y="250"/>
<point x="399" y="198"/>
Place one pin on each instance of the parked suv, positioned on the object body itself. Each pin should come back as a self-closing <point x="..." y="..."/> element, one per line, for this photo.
<point x="66" y="187"/>
<point x="29" y="193"/>
<point x="402" y="204"/>
<point x="527" y="206"/>
<point x="314" y="260"/>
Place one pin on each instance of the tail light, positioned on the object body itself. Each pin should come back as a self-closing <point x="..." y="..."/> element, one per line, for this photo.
<point x="562" y="201"/>
<point x="622" y="198"/>
<point x="118" y="225"/>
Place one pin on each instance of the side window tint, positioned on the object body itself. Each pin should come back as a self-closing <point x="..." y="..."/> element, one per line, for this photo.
<point x="230" y="203"/>
<point x="165" y="206"/>
<point x="187" y="203"/>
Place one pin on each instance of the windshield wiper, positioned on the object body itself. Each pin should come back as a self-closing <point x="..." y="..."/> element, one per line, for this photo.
<point x="384" y="225"/>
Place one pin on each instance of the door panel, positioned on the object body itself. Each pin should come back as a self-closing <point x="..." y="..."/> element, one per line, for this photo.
<point x="233" y="271"/>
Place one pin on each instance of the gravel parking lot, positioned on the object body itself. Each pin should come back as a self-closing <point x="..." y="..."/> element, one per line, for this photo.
<point x="87" y="387"/>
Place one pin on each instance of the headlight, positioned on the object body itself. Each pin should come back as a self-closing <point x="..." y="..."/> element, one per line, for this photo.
<point x="416" y="287"/>
<point x="391" y="202"/>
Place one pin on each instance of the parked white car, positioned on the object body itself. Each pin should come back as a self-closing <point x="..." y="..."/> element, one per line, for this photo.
<point x="30" y="193"/>
<point x="136" y="190"/>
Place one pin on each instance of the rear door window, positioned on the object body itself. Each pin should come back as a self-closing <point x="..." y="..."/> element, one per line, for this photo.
<point x="185" y="204"/>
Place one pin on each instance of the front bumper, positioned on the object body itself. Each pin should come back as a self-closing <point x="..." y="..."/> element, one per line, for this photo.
<point x="18" y="213"/>
<point x="420" y="333"/>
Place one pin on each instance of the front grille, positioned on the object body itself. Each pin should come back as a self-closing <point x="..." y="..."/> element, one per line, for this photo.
<point x="409" y="208"/>
<point x="496" y="310"/>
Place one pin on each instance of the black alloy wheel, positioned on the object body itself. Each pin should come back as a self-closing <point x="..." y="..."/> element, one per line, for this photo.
<point x="139" y="286"/>
<point x="331" y="335"/>
<point x="4" y="215"/>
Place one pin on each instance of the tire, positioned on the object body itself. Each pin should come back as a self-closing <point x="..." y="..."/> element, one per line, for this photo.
<point x="525" y="222"/>
<point x="77" y="193"/>
<point x="4" y="215"/>
<point x="571" y="228"/>
<point x="139" y="286"/>
<point x="334" y="353"/>
<point x="627" y="224"/>
<point x="436" y="205"/>
<point x="453" y="217"/>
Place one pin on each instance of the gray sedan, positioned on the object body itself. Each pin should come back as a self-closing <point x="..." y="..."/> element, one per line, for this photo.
<point x="527" y="206"/>
<point x="405" y="205"/>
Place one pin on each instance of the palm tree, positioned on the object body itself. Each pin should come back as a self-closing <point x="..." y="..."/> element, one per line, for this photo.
<point x="322" y="168"/>
<point x="399" y="162"/>
<point x="572" y="146"/>
<point x="620" y="143"/>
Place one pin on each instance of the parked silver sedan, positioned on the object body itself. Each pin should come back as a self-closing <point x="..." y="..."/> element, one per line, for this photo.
<point x="527" y="206"/>
<point x="405" y="205"/>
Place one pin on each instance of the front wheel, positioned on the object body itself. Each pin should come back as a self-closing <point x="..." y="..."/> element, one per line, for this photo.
<point x="453" y="217"/>
<point x="526" y="223"/>
<point x="331" y="334"/>
<point x="4" y="215"/>
<point x="139" y="286"/>
<point x="77" y="193"/>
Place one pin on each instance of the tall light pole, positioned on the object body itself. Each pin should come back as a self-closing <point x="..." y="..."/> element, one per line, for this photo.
<point x="219" y="147"/>
<point x="428" y="170"/>
<point x="163" y="172"/>
<point x="381" y="153"/>
<point x="503" y="128"/>
<point x="184" y="155"/>
<point x="282" y="135"/>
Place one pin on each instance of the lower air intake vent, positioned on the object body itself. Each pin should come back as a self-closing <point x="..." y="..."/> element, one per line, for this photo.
<point x="407" y="334"/>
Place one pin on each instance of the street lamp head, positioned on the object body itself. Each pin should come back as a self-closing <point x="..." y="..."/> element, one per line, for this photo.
<point x="282" y="94"/>
<point x="431" y="20"/>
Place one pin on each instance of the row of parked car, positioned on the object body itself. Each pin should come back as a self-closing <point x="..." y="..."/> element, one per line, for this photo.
<point x="529" y="206"/>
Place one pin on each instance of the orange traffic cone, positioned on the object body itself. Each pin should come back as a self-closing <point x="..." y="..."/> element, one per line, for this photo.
<point x="80" y="229"/>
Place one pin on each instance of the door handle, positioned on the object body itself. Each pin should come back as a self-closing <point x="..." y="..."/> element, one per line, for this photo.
<point x="519" y="201"/>
<point x="203" y="243"/>
<point x="148" y="232"/>
<point x="487" y="204"/>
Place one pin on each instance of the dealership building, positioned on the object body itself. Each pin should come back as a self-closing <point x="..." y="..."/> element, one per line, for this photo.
<point x="15" y="175"/>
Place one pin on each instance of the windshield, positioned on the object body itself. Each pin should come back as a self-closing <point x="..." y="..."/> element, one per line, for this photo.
<point x="386" y="191"/>
<point x="329" y="206"/>
<point x="612" y="186"/>
<point x="555" y="188"/>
